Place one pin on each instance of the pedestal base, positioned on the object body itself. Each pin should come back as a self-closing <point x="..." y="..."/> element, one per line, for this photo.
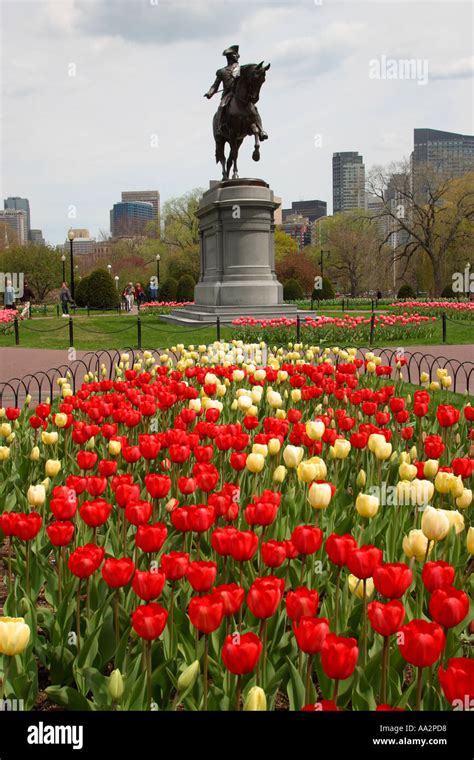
<point x="198" y="313"/>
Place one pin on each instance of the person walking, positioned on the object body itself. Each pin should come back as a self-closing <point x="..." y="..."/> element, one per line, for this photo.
<point x="9" y="296"/>
<point x="128" y="294"/>
<point x="65" y="298"/>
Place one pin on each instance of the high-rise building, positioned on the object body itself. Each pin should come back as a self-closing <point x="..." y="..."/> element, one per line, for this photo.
<point x="82" y="245"/>
<point x="15" y="203"/>
<point x="348" y="181"/>
<point x="447" y="153"/>
<point x="299" y="228"/>
<point x="36" y="237"/>
<point x="17" y="221"/>
<point x="312" y="210"/>
<point x="145" y="196"/>
<point x="129" y="219"/>
<point x="81" y="232"/>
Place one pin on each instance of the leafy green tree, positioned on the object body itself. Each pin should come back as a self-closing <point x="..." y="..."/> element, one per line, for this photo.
<point x="285" y="245"/>
<point x="169" y="290"/>
<point x="292" y="291"/>
<point x="100" y="291"/>
<point x="185" y="290"/>
<point x="40" y="264"/>
<point x="326" y="292"/>
<point x="81" y="294"/>
<point x="406" y="291"/>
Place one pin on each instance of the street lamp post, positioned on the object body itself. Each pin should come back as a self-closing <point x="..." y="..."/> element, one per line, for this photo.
<point x="116" y="278"/>
<point x="109" y="268"/>
<point x="63" y="259"/>
<point x="158" y="257"/>
<point x="71" y="236"/>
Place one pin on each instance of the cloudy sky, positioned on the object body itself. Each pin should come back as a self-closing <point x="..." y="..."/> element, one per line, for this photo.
<point x="100" y="96"/>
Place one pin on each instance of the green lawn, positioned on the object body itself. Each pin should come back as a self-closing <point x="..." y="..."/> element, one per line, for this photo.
<point x="114" y="331"/>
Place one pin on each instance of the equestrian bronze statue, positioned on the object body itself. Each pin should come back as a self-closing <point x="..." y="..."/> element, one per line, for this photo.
<point x="237" y="115"/>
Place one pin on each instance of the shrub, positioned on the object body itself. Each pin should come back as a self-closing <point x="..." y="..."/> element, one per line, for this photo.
<point x="324" y="293"/>
<point x="169" y="290"/>
<point x="99" y="291"/>
<point x="406" y="291"/>
<point x="448" y="292"/>
<point x="292" y="290"/>
<point x="185" y="290"/>
<point x="81" y="291"/>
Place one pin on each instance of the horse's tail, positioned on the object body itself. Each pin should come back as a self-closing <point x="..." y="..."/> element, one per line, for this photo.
<point x="220" y="156"/>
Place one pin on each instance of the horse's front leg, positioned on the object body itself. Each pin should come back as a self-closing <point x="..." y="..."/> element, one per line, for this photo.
<point x="256" y="150"/>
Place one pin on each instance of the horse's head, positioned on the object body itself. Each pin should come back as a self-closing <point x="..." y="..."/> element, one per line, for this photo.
<point x="252" y="76"/>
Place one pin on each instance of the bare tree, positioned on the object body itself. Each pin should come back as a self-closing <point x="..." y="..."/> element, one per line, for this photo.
<point x="426" y="213"/>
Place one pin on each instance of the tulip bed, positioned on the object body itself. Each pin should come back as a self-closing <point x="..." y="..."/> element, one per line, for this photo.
<point x="344" y="329"/>
<point x="162" y="307"/>
<point x="461" y="309"/>
<point x="212" y="536"/>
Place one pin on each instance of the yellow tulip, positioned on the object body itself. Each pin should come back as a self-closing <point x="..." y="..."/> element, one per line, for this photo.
<point x="415" y="545"/>
<point x="5" y="430"/>
<point x="434" y="524"/>
<point x="52" y="467"/>
<point x="49" y="439"/>
<point x="367" y="505"/>
<point x="455" y="518"/>
<point x="60" y="419"/>
<point x="14" y="636"/>
<point x="430" y="468"/>
<point x="341" y="448"/>
<point x="361" y="479"/>
<point x="36" y="495"/>
<point x="274" y="446"/>
<point x="35" y="454"/>
<point x="320" y="467"/>
<point x="295" y="395"/>
<point x="383" y="450"/>
<point x="279" y="474"/>
<point x="256" y="700"/>
<point x="421" y="492"/>
<point x="356" y="586"/>
<point x="260" y="448"/>
<point x="116" y="687"/>
<point x="320" y="495"/>
<point x="470" y="541"/>
<point x="465" y="499"/>
<point x="4" y="453"/>
<point x="306" y="472"/>
<point x="457" y="487"/>
<point x="315" y="429"/>
<point x="114" y="448"/>
<point x="407" y="471"/>
<point x="292" y="456"/>
<point x="374" y="440"/>
<point x="443" y="481"/>
<point x="255" y="463"/>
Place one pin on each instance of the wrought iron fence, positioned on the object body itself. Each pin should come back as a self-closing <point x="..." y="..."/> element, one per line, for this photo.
<point x="43" y="384"/>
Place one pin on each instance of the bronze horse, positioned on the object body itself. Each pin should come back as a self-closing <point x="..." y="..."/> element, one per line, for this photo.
<point x="240" y="118"/>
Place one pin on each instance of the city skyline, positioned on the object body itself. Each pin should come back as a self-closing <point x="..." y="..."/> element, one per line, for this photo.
<point x="99" y="127"/>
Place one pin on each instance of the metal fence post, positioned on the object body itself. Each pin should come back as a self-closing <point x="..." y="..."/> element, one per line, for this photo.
<point x="218" y="328"/>
<point x="443" y="322"/>
<point x="17" y="332"/>
<point x="372" y="329"/>
<point x="71" y="333"/>
<point x="298" y="327"/>
<point x="139" y="332"/>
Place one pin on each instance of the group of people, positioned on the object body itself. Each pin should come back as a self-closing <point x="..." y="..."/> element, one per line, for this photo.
<point x="10" y="296"/>
<point x="136" y="294"/>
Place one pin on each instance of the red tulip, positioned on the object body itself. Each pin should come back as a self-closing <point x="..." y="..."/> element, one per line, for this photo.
<point x="60" y="533"/>
<point x="27" y="526"/>
<point x="437" y="574"/>
<point x="241" y="652"/>
<point x="126" y="492"/>
<point x="386" y="619"/>
<point x="158" y="486"/>
<point x="448" y="606"/>
<point x="392" y="579"/>
<point x="138" y="512"/>
<point x="265" y="595"/>
<point x="150" y="538"/>
<point x="339" y="656"/>
<point x="118" y="572"/>
<point x="457" y="682"/>
<point x="433" y="446"/>
<point x="149" y="620"/>
<point x="363" y="561"/>
<point x="95" y="485"/>
<point x="201" y="575"/>
<point x="232" y="596"/>
<point x="7" y="523"/>
<point x="338" y="547"/>
<point x="307" y="539"/>
<point x="421" y="643"/>
<point x="86" y="459"/>
<point x="273" y="553"/>
<point x="107" y="467"/>
<point x="175" y="565"/>
<point x="243" y="545"/>
<point x="148" y="585"/>
<point x="311" y="633"/>
<point x="324" y="705"/>
<point x="206" y="612"/>
<point x="85" y="560"/>
<point x="95" y="513"/>
<point x="303" y="602"/>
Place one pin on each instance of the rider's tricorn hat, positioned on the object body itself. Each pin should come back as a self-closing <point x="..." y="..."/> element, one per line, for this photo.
<point x="232" y="49"/>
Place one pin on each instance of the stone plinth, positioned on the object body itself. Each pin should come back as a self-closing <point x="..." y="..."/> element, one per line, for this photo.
<point x="237" y="255"/>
